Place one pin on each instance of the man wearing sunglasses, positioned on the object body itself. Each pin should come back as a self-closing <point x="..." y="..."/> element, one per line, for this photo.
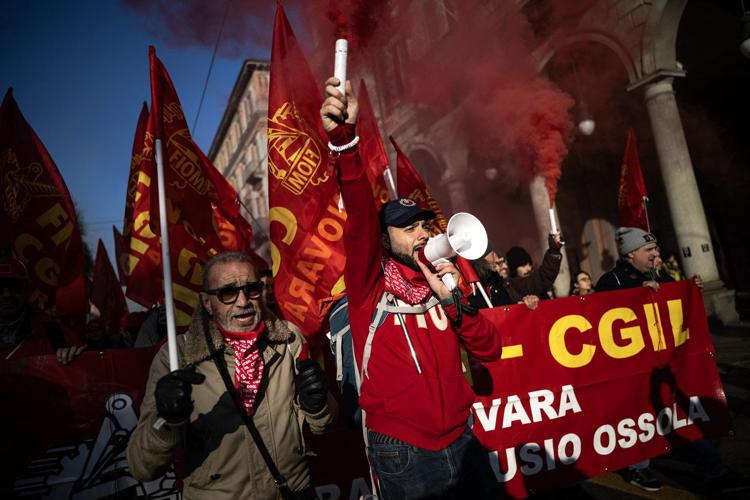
<point x="233" y="339"/>
<point x="414" y="396"/>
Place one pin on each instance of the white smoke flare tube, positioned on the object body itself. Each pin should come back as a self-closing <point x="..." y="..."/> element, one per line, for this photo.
<point x="552" y="221"/>
<point x="339" y="63"/>
<point x="168" y="300"/>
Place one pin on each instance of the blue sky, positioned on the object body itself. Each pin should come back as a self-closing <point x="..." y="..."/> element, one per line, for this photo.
<point x="79" y="72"/>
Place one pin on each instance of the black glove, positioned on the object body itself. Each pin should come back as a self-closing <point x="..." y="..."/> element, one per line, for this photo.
<point x="311" y="385"/>
<point x="554" y="246"/>
<point x="172" y="394"/>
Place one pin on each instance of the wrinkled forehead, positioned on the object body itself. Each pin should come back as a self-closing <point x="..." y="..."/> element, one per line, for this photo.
<point x="648" y="247"/>
<point x="231" y="273"/>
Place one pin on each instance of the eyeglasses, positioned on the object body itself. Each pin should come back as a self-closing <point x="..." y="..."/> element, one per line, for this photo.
<point x="228" y="294"/>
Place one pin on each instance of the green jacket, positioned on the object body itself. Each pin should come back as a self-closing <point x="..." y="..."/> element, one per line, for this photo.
<point x="221" y="459"/>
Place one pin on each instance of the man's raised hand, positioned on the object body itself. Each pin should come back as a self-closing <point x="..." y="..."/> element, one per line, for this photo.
<point x="337" y="109"/>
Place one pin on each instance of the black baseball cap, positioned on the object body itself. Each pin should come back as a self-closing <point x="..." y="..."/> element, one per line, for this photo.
<point x="402" y="212"/>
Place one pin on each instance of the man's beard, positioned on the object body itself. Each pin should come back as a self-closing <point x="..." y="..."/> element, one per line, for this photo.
<point x="406" y="260"/>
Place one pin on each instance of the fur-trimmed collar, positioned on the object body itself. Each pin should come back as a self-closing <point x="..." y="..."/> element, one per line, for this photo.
<point x="196" y="350"/>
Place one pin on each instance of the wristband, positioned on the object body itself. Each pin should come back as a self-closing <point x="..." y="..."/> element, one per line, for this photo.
<point x="339" y="149"/>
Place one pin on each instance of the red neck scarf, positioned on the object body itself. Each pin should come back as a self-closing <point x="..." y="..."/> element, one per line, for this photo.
<point x="404" y="282"/>
<point x="248" y="363"/>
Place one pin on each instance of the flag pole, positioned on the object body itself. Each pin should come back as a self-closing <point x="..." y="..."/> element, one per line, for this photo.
<point x="163" y="225"/>
<point x="168" y="302"/>
<point x="388" y="176"/>
<point x="645" y="212"/>
<point x="487" y="300"/>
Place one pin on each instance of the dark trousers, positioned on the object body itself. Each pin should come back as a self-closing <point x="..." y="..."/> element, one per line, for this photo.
<point x="461" y="470"/>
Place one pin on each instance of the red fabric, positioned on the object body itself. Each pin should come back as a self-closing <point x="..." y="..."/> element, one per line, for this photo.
<point x="141" y="258"/>
<point x="632" y="192"/>
<point x="306" y="225"/>
<point x="371" y="148"/>
<point x="106" y="292"/>
<point x="38" y="220"/>
<point x="427" y="410"/>
<point x="405" y="283"/>
<point x="248" y="363"/>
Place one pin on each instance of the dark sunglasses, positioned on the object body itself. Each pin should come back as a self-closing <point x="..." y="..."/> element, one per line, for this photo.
<point x="228" y="294"/>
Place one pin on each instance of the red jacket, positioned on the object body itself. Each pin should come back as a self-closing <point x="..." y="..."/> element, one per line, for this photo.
<point x="428" y="410"/>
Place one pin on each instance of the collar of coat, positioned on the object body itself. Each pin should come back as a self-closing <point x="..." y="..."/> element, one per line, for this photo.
<point x="277" y="334"/>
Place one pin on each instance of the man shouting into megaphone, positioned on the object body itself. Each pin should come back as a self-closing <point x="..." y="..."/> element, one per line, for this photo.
<point x="407" y="328"/>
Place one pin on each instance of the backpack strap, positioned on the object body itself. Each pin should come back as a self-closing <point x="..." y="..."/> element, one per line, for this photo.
<point x="374" y="324"/>
<point x="337" y="339"/>
<point x="418" y="309"/>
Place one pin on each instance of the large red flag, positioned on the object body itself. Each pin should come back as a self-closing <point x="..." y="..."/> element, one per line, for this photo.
<point x="411" y="185"/>
<point x="192" y="183"/>
<point x="371" y="148"/>
<point x="306" y="224"/>
<point x="106" y="292"/>
<point x="632" y="197"/>
<point x="202" y="207"/>
<point x="119" y="254"/>
<point x="38" y="219"/>
<point x="141" y="259"/>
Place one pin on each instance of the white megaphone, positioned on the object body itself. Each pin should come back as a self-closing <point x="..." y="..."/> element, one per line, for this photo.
<point x="466" y="237"/>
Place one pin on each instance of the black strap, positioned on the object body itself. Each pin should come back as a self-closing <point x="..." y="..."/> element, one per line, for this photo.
<point x="221" y="365"/>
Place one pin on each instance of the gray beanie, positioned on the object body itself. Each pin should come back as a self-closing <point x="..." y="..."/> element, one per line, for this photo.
<point x="632" y="238"/>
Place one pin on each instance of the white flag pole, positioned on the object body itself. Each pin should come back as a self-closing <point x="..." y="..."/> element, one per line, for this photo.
<point x="168" y="300"/>
<point x="390" y="183"/>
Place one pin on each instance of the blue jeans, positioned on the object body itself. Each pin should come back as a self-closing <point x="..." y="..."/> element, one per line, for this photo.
<point x="461" y="470"/>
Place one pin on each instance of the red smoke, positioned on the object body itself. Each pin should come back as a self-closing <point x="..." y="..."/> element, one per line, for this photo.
<point x="474" y="56"/>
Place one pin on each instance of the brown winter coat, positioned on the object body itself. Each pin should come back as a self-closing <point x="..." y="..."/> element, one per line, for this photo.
<point x="221" y="459"/>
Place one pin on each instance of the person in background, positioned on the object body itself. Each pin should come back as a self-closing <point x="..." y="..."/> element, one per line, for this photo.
<point x="24" y="332"/>
<point x="582" y="284"/>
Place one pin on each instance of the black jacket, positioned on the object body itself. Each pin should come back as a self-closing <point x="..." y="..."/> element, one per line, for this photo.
<point x="512" y="290"/>
<point x="623" y="275"/>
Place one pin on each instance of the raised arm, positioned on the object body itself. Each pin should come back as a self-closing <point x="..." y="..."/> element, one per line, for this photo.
<point x="362" y="234"/>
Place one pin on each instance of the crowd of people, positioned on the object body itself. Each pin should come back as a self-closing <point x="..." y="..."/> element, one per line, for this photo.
<point x="246" y="386"/>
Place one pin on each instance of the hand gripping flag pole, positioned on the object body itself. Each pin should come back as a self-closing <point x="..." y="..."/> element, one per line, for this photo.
<point x="168" y="301"/>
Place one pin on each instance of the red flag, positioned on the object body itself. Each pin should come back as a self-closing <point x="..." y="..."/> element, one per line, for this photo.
<point x="119" y="254"/>
<point x="411" y="185"/>
<point x="632" y="197"/>
<point x="306" y="225"/>
<point x="141" y="259"/>
<point x="371" y="148"/>
<point x="203" y="209"/>
<point x="191" y="181"/>
<point x="106" y="292"/>
<point x="38" y="220"/>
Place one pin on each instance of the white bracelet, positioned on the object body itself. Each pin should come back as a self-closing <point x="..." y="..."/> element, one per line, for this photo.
<point x="338" y="149"/>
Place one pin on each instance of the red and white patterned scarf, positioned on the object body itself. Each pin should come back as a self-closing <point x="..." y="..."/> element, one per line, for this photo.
<point x="404" y="282"/>
<point x="248" y="363"/>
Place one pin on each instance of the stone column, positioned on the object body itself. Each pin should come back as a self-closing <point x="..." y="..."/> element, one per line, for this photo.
<point x="685" y="205"/>
<point x="540" y="203"/>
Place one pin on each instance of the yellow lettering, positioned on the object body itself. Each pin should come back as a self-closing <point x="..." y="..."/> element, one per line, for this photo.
<point x="557" y="346"/>
<point x="677" y="321"/>
<point x="23" y="242"/>
<point x="56" y="216"/>
<point x="631" y="333"/>
<point x="653" y="321"/>
<point x="185" y="265"/>
<point x="301" y="289"/>
<point x="330" y="229"/>
<point x="47" y="271"/>
<point x="310" y="270"/>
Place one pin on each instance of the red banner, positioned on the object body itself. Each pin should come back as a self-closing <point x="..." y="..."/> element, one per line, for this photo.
<point x="38" y="220"/>
<point x="590" y="385"/>
<point x="632" y="196"/>
<point x="371" y="148"/>
<point x="306" y="222"/>
<point x="585" y="386"/>
<point x="106" y="292"/>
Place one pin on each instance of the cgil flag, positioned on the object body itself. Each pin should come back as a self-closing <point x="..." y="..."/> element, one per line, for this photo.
<point x="141" y="256"/>
<point x="411" y="185"/>
<point x="632" y="196"/>
<point x="306" y="222"/>
<point x="371" y="148"/>
<point x="38" y="218"/>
